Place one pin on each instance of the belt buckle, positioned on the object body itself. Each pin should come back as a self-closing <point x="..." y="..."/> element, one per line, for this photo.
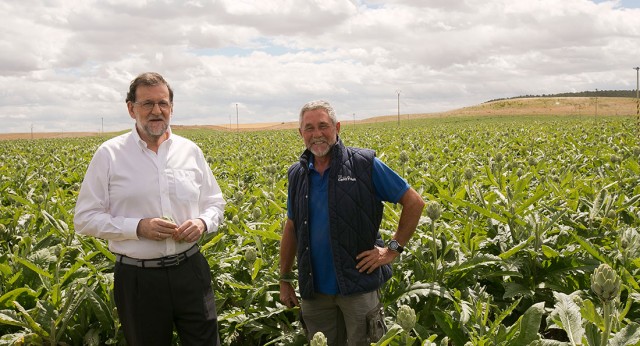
<point x="172" y="260"/>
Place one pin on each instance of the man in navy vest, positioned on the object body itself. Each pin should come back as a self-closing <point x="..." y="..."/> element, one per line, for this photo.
<point x="334" y="214"/>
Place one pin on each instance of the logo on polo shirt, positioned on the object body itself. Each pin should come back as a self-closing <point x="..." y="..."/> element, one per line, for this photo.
<point x="345" y="178"/>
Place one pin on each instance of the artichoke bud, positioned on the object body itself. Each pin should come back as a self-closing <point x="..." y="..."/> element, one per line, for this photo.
<point x="404" y="157"/>
<point x="624" y="243"/>
<point x="319" y="339"/>
<point x="468" y="174"/>
<point x="250" y="254"/>
<point x="406" y="318"/>
<point x="256" y="213"/>
<point x="434" y="210"/>
<point x="605" y="283"/>
<point x="629" y="237"/>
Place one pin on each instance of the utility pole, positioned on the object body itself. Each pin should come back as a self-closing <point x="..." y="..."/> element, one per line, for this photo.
<point x="637" y="95"/>
<point x="398" y="92"/>
<point x="31" y="131"/>
<point x="102" y="126"/>
<point x="354" y="120"/>
<point x="237" y="121"/>
<point x="596" y="116"/>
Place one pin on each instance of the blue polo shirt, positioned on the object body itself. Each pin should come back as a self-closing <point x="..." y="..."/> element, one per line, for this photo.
<point x="388" y="186"/>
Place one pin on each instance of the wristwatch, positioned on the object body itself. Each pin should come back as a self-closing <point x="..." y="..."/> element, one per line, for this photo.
<point x="394" y="246"/>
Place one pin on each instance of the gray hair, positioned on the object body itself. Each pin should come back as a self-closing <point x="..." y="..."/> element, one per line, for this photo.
<point x="319" y="104"/>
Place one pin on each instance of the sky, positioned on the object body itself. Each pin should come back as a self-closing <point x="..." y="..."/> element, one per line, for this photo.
<point x="65" y="65"/>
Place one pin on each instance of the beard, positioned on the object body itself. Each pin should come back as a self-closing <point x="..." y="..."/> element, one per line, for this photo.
<point x="155" y="129"/>
<point x="320" y="153"/>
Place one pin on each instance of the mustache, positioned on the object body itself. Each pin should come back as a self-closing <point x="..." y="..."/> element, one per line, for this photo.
<point x="319" y="140"/>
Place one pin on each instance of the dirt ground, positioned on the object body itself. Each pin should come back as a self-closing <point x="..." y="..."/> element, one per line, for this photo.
<point x="584" y="106"/>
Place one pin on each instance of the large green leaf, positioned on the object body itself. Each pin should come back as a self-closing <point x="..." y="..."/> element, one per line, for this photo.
<point x="629" y="335"/>
<point x="450" y="327"/>
<point x="528" y="326"/>
<point x="10" y="317"/>
<point x="33" y="267"/>
<point x="420" y="290"/>
<point x="566" y="315"/>
<point x="7" y="298"/>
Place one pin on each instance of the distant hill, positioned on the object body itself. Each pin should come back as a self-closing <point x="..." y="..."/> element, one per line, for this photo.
<point x="524" y="106"/>
<point x="553" y="106"/>
<point x="599" y="93"/>
<point x="587" y="104"/>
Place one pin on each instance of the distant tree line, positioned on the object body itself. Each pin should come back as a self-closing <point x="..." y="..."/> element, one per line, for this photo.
<point x="599" y="93"/>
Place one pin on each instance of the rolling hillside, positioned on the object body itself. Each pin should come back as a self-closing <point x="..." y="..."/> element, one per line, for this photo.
<point x="552" y="106"/>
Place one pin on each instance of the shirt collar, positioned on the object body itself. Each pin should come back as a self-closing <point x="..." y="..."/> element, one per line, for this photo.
<point x="311" y="165"/>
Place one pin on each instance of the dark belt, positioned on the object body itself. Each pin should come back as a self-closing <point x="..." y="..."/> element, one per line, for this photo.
<point x="162" y="262"/>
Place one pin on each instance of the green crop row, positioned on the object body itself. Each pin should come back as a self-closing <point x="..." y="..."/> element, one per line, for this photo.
<point x="521" y="212"/>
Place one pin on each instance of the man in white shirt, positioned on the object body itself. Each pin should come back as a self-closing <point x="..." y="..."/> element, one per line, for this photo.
<point x="152" y="195"/>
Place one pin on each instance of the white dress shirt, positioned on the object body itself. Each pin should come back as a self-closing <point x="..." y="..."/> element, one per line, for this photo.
<point x="126" y="182"/>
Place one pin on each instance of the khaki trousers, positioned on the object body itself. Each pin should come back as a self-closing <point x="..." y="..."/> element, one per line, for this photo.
<point x="342" y="319"/>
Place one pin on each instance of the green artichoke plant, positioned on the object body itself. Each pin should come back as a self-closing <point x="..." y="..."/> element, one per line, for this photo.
<point x="250" y="254"/>
<point x="406" y="318"/>
<point x="319" y="339"/>
<point x="468" y="174"/>
<point x="433" y="210"/>
<point x="256" y="213"/>
<point x="605" y="283"/>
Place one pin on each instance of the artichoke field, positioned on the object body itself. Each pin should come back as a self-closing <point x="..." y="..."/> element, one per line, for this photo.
<point x="531" y="236"/>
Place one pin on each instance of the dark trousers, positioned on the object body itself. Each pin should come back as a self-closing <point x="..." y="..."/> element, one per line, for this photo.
<point x="151" y="301"/>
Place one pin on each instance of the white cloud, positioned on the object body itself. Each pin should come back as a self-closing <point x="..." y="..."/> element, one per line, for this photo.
<point x="67" y="63"/>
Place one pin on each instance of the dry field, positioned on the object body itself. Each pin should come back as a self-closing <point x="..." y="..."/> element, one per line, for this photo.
<point x="552" y="106"/>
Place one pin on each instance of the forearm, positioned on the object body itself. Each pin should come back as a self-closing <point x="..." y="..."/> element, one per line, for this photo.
<point x="212" y="205"/>
<point x="412" y="206"/>
<point x="104" y="226"/>
<point x="288" y="247"/>
<point x="212" y="217"/>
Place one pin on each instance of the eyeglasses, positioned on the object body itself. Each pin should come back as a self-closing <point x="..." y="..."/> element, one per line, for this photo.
<point x="148" y="105"/>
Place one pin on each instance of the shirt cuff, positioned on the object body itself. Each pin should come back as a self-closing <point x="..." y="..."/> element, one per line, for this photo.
<point x="130" y="228"/>
<point x="208" y="224"/>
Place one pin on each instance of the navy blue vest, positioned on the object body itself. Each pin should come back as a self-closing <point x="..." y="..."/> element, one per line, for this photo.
<point x="355" y="214"/>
